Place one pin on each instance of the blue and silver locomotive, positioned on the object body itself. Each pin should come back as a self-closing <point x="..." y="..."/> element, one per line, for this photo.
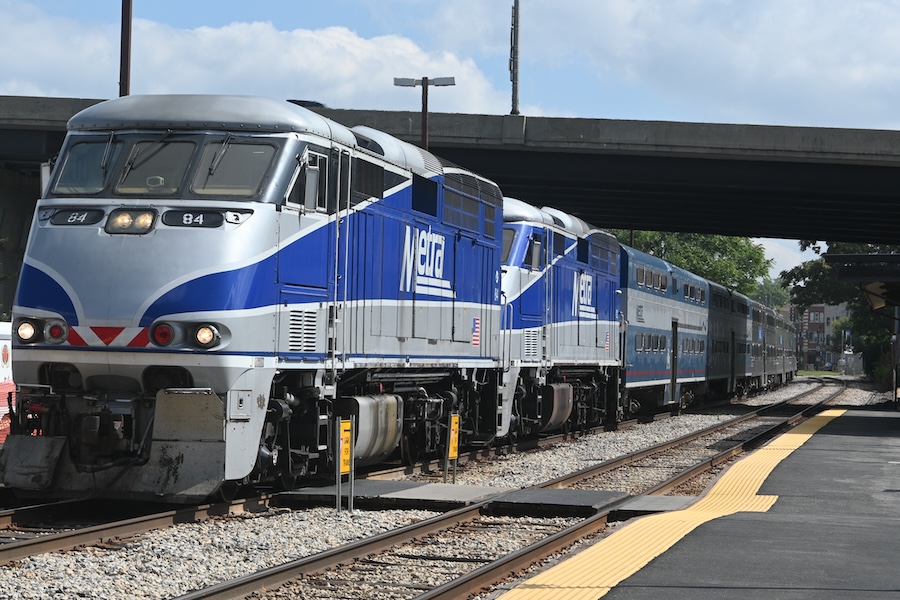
<point x="210" y="281"/>
<point x="560" y="319"/>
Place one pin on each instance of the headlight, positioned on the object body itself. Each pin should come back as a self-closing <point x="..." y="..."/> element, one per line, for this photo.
<point x="27" y="332"/>
<point x="207" y="336"/>
<point x="130" y="221"/>
<point x="143" y="221"/>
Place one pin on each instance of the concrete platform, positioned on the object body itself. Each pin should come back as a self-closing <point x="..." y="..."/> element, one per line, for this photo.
<point x="814" y="514"/>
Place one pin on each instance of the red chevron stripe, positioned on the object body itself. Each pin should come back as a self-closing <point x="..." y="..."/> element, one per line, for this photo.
<point x="141" y="339"/>
<point x="75" y="339"/>
<point x="107" y="334"/>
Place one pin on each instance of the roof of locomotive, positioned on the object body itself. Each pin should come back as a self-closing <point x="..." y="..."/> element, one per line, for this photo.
<point x="517" y="210"/>
<point x="396" y="150"/>
<point x="191" y="111"/>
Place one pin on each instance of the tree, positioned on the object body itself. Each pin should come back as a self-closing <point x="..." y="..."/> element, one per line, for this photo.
<point x="772" y="292"/>
<point x="735" y="262"/>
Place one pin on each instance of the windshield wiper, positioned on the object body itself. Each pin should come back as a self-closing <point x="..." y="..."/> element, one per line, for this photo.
<point x="220" y="153"/>
<point x="145" y="153"/>
<point x="104" y="162"/>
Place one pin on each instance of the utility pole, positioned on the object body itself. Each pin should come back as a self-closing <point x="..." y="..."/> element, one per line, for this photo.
<point x="514" y="58"/>
<point x="125" y="52"/>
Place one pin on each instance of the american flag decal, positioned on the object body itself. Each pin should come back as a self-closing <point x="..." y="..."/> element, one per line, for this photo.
<point x="607" y="341"/>
<point x="476" y="331"/>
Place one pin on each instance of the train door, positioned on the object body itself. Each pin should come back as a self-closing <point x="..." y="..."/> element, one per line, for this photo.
<point x="732" y="352"/>
<point x="533" y="299"/>
<point x="470" y="274"/>
<point x="304" y="260"/>
<point x="673" y="372"/>
<point x="304" y="256"/>
<point x="555" y="306"/>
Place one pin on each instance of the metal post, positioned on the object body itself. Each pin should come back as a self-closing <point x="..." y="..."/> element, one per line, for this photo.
<point x="447" y="459"/>
<point x="352" y="461"/>
<point x="425" y="113"/>
<point x="514" y="58"/>
<point x="337" y="463"/>
<point x="125" y="52"/>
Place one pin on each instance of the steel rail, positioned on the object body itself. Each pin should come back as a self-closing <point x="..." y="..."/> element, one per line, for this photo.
<point x="279" y="574"/>
<point x="433" y="465"/>
<point x="749" y="444"/>
<point x="614" y="463"/>
<point x="108" y="532"/>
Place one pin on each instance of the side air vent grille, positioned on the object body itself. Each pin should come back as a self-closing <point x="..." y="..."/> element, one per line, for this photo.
<point x="303" y="331"/>
<point x="532" y="343"/>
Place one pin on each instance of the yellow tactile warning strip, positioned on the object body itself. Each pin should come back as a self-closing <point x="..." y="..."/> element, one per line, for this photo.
<point x="595" y="571"/>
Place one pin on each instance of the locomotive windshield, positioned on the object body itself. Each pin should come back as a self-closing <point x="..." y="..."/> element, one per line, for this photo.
<point x="155" y="167"/>
<point x="232" y="168"/>
<point x="86" y="167"/>
<point x="179" y="165"/>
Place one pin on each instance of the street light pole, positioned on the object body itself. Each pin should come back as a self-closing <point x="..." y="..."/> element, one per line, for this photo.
<point x="425" y="113"/>
<point x="424" y="82"/>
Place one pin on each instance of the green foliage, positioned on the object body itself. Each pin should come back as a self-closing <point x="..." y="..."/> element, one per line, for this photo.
<point x="772" y="292"/>
<point x="883" y="373"/>
<point x="735" y="262"/>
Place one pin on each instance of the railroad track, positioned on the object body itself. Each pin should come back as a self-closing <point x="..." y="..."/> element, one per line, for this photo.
<point x="386" y="557"/>
<point x="61" y="526"/>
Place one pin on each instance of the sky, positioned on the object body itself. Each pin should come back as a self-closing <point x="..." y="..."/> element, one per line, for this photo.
<point x="821" y="63"/>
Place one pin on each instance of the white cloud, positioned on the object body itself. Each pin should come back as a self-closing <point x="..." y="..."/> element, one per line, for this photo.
<point x="786" y="254"/>
<point x="51" y="56"/>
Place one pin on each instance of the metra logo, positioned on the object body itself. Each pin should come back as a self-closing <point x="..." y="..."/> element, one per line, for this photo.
<point x="583" y="296"/>
<point x="423" y="254"/>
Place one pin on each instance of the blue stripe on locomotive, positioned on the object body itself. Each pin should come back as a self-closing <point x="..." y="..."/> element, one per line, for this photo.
<point x="36" y="289"/>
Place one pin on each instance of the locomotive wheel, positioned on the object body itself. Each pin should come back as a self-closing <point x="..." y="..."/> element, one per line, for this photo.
<point x="227" y="492"/>
<point x="287" y="481"/>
